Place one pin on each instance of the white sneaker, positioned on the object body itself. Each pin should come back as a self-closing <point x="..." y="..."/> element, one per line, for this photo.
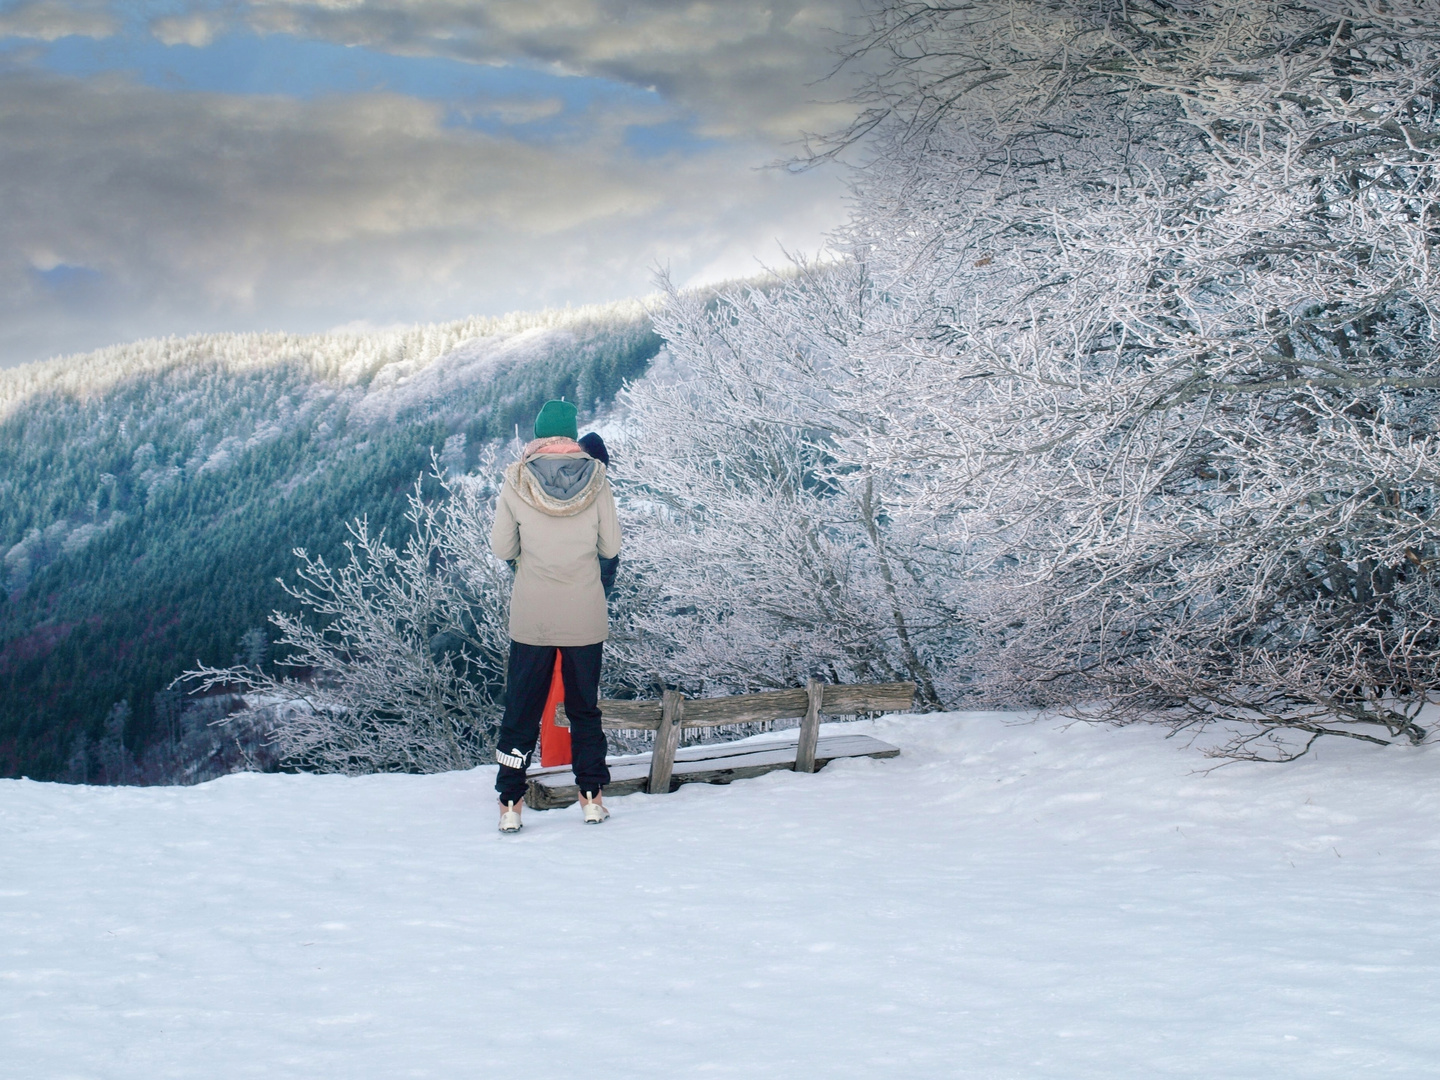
<point x="593" y="810"/>
<point x="510" y="818"/>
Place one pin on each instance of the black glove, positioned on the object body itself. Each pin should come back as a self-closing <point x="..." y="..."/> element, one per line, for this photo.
<point x="608" y="567"/>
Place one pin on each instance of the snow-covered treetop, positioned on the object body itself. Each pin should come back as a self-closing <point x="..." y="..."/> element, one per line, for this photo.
<point x="342" y="357"/>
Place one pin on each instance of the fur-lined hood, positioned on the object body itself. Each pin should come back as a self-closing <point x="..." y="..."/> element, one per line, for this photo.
<point x="556" y="476"/>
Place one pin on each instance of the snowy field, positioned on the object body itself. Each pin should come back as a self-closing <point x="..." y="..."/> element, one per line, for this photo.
<point x="1000" y="901"/>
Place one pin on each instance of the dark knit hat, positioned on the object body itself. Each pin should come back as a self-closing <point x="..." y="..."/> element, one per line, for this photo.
<point x="593" y="445"/>
<point x="556" y="418"/>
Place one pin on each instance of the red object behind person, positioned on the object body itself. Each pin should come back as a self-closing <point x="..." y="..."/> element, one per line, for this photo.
<point x="554" y="740"/>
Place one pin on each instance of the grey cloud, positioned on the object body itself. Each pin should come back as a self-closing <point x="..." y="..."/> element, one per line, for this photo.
<point x="135" y="211"/>
<point x="744" y="67"/>
<point x="49" y="20"/>
<point x="511" y="110"/>
<point x="132" y="211"/>
<point x="196" y="29"/>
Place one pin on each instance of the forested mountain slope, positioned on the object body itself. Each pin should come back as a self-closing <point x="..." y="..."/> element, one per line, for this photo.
<point x="150" y="495"/>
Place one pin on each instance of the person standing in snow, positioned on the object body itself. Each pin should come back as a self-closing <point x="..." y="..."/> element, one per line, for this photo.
<point x="555" y="521"/>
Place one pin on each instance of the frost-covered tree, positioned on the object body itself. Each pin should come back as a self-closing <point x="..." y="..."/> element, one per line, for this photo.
<point x="397" y="654"/>
<point x="1136" y="330"/>
<point x="1162" y="275"/>
<point x="760" y="557"/>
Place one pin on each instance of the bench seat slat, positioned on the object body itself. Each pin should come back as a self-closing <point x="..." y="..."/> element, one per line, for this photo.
<point x="719" y="763"/>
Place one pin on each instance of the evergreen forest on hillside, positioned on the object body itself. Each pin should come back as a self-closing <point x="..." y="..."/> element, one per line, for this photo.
<point x="151" y="495"/>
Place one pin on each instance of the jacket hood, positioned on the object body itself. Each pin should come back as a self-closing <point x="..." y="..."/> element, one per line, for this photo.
<point x="556" y="477"/>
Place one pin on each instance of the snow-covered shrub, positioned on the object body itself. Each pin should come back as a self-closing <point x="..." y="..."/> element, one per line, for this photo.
<point x="399" y="653"/>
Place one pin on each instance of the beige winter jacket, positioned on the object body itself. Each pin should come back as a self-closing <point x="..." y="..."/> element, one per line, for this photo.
<point x="556" y="516"/>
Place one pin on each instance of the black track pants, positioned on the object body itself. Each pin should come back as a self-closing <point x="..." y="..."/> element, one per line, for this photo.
<point x="526" y="687"/>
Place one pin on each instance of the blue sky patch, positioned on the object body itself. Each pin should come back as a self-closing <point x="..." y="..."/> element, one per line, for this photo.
<point x="70" y="285"/>
<point x="667" y="137"/>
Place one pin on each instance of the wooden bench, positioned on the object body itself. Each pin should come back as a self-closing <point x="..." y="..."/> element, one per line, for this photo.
<point x="667" y="767"/>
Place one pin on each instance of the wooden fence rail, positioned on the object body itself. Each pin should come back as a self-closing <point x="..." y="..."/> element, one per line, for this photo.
<point x="674" y="712"/>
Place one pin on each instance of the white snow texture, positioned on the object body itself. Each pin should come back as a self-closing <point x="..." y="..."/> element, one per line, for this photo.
<point x="1000" y="901"/>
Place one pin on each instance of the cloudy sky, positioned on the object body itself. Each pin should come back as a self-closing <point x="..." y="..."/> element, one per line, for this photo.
<point x="169" y="166"/>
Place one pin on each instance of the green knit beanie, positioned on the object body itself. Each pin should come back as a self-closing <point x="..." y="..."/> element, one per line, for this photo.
<point x="556" y="418"/>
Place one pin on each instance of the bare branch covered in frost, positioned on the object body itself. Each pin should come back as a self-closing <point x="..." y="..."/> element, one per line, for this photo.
<point x="400" y="651"/>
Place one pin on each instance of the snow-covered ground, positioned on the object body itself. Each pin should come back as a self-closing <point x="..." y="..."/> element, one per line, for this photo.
<point x="1000" y="901"/>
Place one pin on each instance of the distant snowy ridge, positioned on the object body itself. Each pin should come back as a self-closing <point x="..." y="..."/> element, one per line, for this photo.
<point x="340" y="357"/>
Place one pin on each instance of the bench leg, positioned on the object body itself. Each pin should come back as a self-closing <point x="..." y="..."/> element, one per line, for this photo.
<point x="809" y="728"/>
<point x="667" y="739"/>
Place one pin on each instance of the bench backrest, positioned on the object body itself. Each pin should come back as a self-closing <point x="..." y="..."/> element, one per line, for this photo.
<point x="837" y="699"/>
